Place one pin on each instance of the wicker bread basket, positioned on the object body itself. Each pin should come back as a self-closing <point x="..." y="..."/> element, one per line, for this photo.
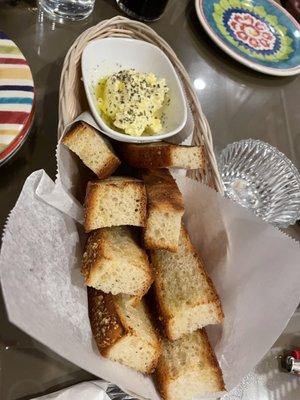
<point x="72" y="99"/>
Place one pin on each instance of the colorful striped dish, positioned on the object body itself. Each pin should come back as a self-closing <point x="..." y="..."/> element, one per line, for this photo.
<point x="16" y="98"/>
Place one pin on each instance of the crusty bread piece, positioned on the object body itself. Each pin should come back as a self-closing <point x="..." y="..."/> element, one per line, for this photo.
<point x="164" y="210"/>
<point x="115" y="201"/>
<point x="123" y="333"/>
<point x="114" y="262"/>
<point x="162" y="155"/>
<point x="188" y="367"/>
<point x="185" y="294"/>
<point x="94" y="150"/>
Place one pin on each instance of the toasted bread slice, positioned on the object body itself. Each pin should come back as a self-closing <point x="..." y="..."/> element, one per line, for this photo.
<point x="94" y="150"/>
<point x="185" y="294"/>
<point x="164" y="210"/>
<point x="115" y="201"/>
<point x="114" y="262"/>
<point x="188" y="367"/>
<point x="162" y="155"/>
<point x="123" y="333"/>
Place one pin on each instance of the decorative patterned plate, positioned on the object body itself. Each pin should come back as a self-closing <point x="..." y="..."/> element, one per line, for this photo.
<point x="16" y="98"/>
<point x="258" y="33"/>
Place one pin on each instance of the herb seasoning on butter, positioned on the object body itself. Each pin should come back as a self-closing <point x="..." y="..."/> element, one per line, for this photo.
<point x="132" y="101"/>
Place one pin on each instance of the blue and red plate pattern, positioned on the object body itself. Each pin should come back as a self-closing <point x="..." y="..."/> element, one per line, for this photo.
<point x="258" y="33"/>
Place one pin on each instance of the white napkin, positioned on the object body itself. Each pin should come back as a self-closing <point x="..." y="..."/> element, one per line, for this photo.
<point x="93" y="390"/>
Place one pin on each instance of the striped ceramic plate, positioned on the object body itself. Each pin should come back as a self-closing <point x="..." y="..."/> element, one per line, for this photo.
<point x="16" y="98"/>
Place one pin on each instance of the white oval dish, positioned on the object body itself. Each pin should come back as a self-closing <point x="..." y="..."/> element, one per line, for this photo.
<point x="104" y="57"/>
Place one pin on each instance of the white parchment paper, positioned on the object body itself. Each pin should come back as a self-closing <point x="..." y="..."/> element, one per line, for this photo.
<point x="254" y="266"/>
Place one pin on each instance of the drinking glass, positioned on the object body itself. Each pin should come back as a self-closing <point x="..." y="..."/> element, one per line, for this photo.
<point x="144" y="10"/>
<point x="67" y="10"/>
<point x="261" y="178"/>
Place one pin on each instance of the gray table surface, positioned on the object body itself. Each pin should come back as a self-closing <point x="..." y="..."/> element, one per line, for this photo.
<point x="239" y="103"/>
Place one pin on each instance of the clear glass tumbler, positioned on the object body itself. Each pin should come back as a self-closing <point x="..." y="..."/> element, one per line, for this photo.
<point x="261" y="178"/>
<point x="67" y="10"/>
